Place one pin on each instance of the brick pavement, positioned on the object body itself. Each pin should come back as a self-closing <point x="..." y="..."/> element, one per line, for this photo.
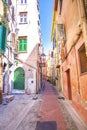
<point x="50" y="110"/>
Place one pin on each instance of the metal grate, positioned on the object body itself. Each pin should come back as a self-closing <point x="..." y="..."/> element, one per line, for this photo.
<point x="46" y="125"/>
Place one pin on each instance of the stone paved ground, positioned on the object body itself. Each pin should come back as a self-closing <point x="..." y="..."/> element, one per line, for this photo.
<point x="53" y="109"/>
<point x="72" y="119"/>
<point x="43" y="111"/>
<point x="20" y="114"/>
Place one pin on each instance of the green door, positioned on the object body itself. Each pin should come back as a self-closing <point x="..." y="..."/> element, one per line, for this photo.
<point x="19" y="79"/>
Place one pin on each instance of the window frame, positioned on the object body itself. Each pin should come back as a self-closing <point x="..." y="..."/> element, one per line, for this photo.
<point x="23" y="1"/>
<point x="23" y="17"/>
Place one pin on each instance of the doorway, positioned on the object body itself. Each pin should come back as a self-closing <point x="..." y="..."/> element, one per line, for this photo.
<point x="19" y="79"/>
<point x="69" y="84"/>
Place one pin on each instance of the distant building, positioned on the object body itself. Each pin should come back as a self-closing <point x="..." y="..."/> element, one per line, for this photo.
<point x="69" y="31"/>
<point x="50" y="69"/>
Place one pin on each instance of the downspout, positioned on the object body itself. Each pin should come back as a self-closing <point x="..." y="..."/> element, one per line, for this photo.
<point x="83" y="23"/>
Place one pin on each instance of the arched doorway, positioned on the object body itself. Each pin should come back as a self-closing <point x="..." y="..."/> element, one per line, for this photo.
<point x="19" y="78"/>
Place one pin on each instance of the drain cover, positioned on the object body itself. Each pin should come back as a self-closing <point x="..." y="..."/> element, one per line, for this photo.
<point x="47" y="125"/>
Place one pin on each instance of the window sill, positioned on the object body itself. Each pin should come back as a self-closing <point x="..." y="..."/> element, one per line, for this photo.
<point x="23" y="23"/>
<point x="23" y="3"/>
<point x="22" y="52"/>
<point x="83" y="73"/>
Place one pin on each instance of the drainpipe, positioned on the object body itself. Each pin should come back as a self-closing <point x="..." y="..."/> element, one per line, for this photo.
<point x="82" y="23"/>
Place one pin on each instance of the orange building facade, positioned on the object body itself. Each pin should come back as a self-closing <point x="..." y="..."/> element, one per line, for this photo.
<point x="71" y="14"/>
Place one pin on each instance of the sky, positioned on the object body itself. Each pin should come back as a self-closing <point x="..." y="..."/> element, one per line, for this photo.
<point x="46" y="9"/>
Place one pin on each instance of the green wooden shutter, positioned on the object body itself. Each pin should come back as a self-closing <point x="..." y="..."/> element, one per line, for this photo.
<point x="3" y="37"/>
<point x="25" y="44"/>
<point x="22" y="47"/>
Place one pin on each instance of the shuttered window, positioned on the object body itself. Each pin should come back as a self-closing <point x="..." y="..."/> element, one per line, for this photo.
<point x="85" y="7"/>
<point x="3" y="37"/>
<point x="22" y="45"/>
<point x="83" y="59"/>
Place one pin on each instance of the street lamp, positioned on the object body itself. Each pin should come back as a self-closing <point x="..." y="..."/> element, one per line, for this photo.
<point x="43" y="58"/>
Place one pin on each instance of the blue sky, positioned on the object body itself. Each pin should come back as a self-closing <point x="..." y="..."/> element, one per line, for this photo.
<point x="46" y="8"/>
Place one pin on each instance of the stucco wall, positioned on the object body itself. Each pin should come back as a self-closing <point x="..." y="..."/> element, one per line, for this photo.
<point x="78" y="81"/>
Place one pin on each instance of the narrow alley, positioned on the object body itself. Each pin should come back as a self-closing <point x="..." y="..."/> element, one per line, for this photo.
<point x="43" y="111"/>
<point x="43" y="64"/>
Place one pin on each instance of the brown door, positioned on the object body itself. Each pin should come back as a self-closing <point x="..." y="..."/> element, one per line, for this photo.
<point x="69" y="85"/>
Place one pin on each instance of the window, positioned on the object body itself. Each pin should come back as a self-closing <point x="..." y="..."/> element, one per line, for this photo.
<point x="23" y="17"/>
<point x="22" y="44"/>
<point x="6" y="1"/>
<point x="23" y="1"/>
<point x="83" y="59"/>
<point x="61" y="32"/>
<point x="3" y="36"/>
<point x="60" y="6"/>
<point x="54" y="40"/>
<point x="85" y="7"/>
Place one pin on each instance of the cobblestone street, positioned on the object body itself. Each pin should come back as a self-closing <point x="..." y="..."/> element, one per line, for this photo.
<point x="44" y="111"/>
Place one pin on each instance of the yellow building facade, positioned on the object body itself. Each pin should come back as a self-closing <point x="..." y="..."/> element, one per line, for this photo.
<point x="56" y="48"/>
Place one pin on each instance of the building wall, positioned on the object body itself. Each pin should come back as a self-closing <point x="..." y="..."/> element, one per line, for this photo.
<point x="74" y="83"/>
<point x="31" y="29"/>
<point x="1" y="9"/>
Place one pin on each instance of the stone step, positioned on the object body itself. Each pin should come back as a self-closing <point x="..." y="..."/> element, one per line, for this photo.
<point x="7" y="99"/>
